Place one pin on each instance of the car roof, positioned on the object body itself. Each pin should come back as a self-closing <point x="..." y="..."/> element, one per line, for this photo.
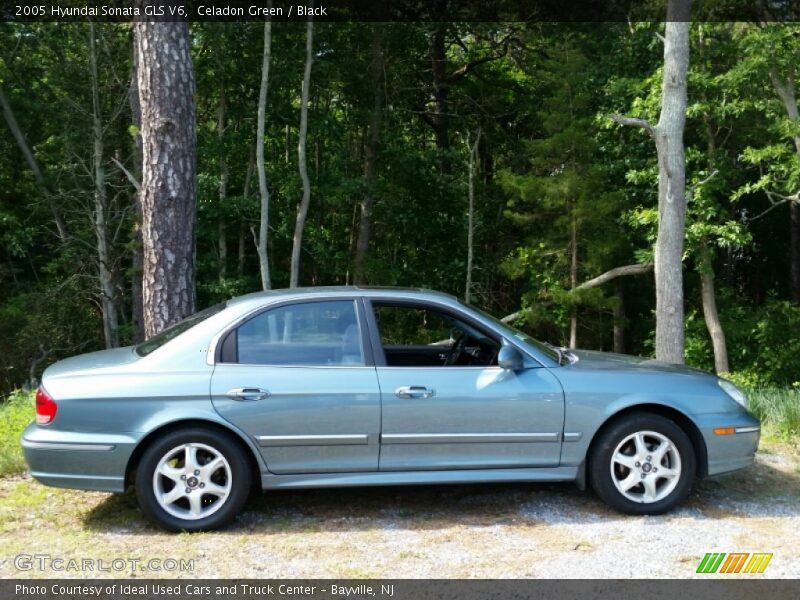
<point x="340" y="290"/>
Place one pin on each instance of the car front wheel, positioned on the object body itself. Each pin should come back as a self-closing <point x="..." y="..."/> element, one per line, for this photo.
<point x="192" y="479"/>
<point x="643" y="464"/>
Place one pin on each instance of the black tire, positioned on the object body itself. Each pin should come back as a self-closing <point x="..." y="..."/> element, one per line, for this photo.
<point x="600" y="465"/>
<point x="238" y="470"/>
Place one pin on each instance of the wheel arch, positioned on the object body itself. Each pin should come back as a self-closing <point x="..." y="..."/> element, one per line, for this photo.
<point x="681" y="419"/>
<point x="252" y="459"/>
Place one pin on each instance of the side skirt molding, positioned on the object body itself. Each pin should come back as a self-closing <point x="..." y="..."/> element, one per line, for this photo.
<point x="378" y="478"/>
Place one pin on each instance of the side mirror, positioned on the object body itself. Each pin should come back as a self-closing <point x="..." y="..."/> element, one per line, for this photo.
<point x="509" y="358"/>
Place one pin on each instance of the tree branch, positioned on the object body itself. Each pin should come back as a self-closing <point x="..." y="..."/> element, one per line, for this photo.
<point x="512" y="317"/>
<point x="464" y="70"/>
<point x="691" y="190"/>
<point x="137" y="186"/>
<point x="775" y="201"/>
<point x="596" y="282"/>
<point x="613" y="274"/>
<point x="634" y="122"/>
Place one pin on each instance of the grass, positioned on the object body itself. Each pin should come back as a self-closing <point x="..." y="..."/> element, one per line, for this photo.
<point x="779" y="410"/>
<point x="15" y="414"/>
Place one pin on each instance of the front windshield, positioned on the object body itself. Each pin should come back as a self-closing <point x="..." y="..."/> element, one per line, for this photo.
<point x="175" y="330"/>
<point x="542" y="347"/>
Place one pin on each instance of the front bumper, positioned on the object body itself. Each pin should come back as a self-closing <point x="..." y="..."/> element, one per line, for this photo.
<point x="733" y="451"/>
<point x="84" y="461"/>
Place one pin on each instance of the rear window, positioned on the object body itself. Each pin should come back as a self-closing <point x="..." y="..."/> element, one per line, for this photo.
<point x="178" y="328"/>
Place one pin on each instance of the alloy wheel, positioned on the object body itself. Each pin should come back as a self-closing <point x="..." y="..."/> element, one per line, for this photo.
<point x="646" y="467"/>
<point x="192" y="481"/>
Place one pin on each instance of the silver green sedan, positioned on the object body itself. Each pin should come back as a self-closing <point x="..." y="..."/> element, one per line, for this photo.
<point x="329" y="387"/>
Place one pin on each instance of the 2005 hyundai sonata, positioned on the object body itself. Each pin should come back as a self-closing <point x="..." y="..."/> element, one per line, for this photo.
<point x="326" y="387"/>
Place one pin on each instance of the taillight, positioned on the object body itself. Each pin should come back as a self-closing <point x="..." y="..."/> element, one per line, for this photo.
<point x="46" y="408"/>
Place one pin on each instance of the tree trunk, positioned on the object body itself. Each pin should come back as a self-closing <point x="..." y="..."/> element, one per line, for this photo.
<point x="248" y="176"/>
<point x="785" y="90"/>
<point x="473" y="155"/>
<point x="263" y="231"/>
<point x="11" y="120"/>
<point x="137" y="261"/>
<point x="573" y="276"/>
<point x="710" y="312"/>
<point x="287" y="142"/>
<point x="441" y="92"/>
<point x="671" y="187"/>
<point x="370" y="161"/>
<point x="708" y="292"/>
<point x="302" y="211"/>
<point x="668" y="136"/>
<point x="619" y="317"/>
<point x="107" y="290"/>
<point x="222" y="243"/>
<point x="169" y="164"/>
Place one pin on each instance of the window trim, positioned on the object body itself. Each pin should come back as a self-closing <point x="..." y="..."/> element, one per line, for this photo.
<point x="366" y="348"/>
<point x="426" y="304"/>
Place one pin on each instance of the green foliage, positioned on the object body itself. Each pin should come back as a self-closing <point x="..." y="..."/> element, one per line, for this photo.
<point x="551" y="161"/>
<point x="777" y="408"/>
<point x="47" y="324"/>
<point x="699" y="352"/>
<point x="776" y="348"/>
<point x="16" y="413"/>
<point x="764" y="348"/>
<point x="563" y="200"/>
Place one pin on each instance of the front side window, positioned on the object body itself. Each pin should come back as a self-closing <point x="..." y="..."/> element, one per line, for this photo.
<point x="420" y="336"/>
<point x="543" y="347"/>
<point x="308" y="334"/>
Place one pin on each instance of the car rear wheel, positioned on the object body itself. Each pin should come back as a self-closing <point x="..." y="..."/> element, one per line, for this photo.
<point x="642" y="464"/>
<point x="192" y="479"/>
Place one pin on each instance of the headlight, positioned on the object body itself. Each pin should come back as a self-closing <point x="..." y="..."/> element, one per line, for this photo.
<point x="733" y="391"/>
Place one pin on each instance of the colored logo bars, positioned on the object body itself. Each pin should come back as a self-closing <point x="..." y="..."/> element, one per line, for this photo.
<point x="735" y="562"/>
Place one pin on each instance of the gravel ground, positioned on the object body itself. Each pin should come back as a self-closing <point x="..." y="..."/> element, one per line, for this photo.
<point x="485" y="531"/>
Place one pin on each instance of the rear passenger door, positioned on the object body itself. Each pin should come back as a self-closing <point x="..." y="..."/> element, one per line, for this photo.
<point x="299" y="379"/>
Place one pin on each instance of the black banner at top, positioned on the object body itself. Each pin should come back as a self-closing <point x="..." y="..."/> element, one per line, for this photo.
<point x="400" y="10"/>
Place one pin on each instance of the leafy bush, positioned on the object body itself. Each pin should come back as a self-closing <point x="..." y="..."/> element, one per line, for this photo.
<point x="763" y="344"/>
<point x="15" y="414"/>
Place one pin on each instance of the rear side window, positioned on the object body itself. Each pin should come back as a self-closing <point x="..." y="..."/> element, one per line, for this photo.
<point x="178" y="328"/>
<point x="306" y="334"/>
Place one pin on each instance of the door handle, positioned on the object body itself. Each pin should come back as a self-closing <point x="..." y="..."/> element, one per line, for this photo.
<point x="248" y="393"/>
<point x="414" y="391"/>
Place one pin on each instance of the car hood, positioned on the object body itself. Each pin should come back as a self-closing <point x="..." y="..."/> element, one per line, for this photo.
<point x="92" y="360"/>
<point x="588" y="359"/>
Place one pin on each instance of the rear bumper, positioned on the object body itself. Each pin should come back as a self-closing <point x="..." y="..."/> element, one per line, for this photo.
<point x="731" y="452"/>
<point x="85" y="461"/>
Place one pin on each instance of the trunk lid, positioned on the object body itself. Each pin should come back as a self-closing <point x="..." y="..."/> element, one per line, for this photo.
<point x="102" y="359"/>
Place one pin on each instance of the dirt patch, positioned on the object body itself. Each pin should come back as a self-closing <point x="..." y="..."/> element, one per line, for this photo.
<point x="521" y="530"/>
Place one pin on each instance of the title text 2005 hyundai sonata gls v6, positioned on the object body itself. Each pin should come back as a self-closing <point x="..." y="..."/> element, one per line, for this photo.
<point x="334" y="387"/>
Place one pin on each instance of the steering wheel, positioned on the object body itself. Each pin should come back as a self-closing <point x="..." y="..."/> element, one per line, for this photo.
<point x="456" y="350"/>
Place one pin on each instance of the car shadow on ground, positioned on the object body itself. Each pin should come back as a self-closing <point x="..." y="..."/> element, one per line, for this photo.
<point x="764" y="490"/>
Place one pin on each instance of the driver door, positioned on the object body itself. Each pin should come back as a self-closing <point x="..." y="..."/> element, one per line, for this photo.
<point x="445" y="404"/>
